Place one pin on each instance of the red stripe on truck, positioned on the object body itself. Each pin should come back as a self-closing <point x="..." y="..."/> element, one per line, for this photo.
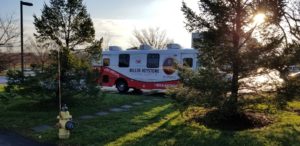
<point x="132" y="83"/>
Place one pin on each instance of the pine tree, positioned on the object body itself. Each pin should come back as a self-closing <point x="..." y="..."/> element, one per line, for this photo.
<point x="69" y="26"/>
<point x="66" y="22"/>
<point x="229" y="36"/>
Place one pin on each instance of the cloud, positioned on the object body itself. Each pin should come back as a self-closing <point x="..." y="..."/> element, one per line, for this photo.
<point x="120" y="31"/>
<point x="164" y="14"/>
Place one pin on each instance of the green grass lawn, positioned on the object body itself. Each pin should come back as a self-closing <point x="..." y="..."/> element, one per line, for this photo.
<point x="156" y="123"/>
<point x="1" y="88"/>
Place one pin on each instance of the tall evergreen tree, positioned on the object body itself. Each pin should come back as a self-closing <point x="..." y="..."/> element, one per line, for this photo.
<point x="69" y="26"/>
<point x="66" y="22"/>
<point x="232" y="41"/>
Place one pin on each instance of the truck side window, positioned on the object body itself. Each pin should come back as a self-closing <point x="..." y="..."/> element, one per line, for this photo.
<point x="152" y="60"/>
<point x="188" y="62"/>
<point x="106" y="62"/>
<point x="124" y="60"/>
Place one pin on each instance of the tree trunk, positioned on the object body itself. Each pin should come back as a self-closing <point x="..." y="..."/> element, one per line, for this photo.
<point x="236" y="61"/>
<point x="234" y="86"/>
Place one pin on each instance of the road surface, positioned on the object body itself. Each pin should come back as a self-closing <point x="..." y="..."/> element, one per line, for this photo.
<point x="8" y="138"/>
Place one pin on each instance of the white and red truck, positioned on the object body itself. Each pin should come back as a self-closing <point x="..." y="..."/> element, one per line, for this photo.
<point x="144" y="68"/>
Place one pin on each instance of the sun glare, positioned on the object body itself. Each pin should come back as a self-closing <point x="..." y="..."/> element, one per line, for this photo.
<point x="259" y="18"/>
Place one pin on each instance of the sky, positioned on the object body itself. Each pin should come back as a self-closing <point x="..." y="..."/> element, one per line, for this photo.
<point x="115" y="20"/>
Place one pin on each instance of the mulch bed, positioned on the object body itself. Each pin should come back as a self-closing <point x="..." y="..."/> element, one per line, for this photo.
<point x="234" y="121"/>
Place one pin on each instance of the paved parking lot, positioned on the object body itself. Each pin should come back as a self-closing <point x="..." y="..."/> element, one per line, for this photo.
<point x="12" y="139"/>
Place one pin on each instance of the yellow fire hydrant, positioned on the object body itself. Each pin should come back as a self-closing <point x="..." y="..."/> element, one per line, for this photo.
<point x="65" y="123"/>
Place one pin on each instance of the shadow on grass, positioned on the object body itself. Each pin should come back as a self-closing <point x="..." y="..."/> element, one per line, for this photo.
<point x="179" y="132"/>
<point x="22" y="114"/>
<point x="133" y="137"/>
<point x="110" y="128"/>
<point x="77" y="105"/>
<point x="32" y="105"/>
<point x="189" y="135"/>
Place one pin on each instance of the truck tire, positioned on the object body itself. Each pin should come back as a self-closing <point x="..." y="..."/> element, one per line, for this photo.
<point x="122" y="86"/>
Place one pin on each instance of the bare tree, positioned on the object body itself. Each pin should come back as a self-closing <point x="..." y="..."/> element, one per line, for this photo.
<point x="8" y="30"/>
<point x="154" y="37"/>
<point x="292" y="18"/>
<point x="5" y="59"/>
<point x="290" y="28"/>
<point x="106" y="37"/>
<point x="8" y="34"/>
<point x="41" y="51"/>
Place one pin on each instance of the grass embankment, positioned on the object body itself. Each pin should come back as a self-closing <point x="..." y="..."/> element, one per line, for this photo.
<point x="156" y="123"/>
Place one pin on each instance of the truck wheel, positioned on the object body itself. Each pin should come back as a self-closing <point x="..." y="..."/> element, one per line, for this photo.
<point x="122" y="86"/>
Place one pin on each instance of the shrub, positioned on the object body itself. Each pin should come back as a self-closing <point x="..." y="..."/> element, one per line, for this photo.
<point x="205" y="87"/>
<point x="77" y="77"/>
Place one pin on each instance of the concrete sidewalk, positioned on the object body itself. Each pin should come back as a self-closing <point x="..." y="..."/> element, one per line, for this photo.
<point x="12" y="139"/>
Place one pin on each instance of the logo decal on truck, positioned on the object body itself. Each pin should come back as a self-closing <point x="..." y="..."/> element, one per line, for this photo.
<point x="138" y="61"/>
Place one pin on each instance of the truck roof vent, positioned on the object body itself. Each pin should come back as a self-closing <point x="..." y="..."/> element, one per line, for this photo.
<point x="145" y="47"/>
<point x="114" y="48"/>
<point x="173" y="46"/>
